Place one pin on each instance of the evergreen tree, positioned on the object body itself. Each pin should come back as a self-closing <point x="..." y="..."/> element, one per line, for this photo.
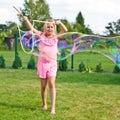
<point x="116" y="69"/>
<point x="80" y="19"/>
<point x="82" y="67"/>
<point x="17" y="63"/>
<point x="63" y="64"/>
<point x="31" y="63"/>
<point x="79" y="26"/>
<point x="2" y="62"/>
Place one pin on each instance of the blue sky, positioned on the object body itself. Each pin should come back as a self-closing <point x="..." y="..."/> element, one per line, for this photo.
<point x="97" y="13"/>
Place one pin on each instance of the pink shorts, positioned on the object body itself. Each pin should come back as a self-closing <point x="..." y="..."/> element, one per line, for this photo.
<point x="46" y="68"/>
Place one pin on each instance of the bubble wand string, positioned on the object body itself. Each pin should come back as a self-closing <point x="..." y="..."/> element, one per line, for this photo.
<point x="20" y="14"/>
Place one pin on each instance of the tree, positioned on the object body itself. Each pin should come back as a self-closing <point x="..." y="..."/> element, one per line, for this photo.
<point x="31" y="63"/>
<point x="2" y="37"/>
<point x="3" y="28"/>
<point x="2" y="62"/>
<point x="17" y="63"/>
<point x="113" y="28"/>
<point x="36" y="10"/>
<point x="63" y="63"/>
<point x="80" y="26"/>
<point x="11" y="28"/>
<point x="80" y="19"/>
<point x="6" y="34"/>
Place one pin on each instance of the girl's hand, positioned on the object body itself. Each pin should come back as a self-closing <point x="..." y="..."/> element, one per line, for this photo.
<point x="57" y="22"/>
<point x="25" y="18"/>
<point x="62" y="26"/>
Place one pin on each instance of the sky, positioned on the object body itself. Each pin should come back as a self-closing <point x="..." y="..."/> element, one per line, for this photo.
<point x="97" y="13"/>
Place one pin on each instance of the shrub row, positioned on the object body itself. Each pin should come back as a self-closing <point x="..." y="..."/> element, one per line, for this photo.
<point x="63" y="65"/>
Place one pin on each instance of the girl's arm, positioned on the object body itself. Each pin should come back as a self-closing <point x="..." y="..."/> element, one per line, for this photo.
<point x="30" y="26"/>
<point x="62" y="27"/>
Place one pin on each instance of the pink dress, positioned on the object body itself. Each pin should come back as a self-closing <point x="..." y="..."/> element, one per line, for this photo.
<point x="47" y="61"/>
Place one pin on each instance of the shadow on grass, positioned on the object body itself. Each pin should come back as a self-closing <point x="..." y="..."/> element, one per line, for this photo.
<point x="89" y="78"/>
<point x="17" y="106"/>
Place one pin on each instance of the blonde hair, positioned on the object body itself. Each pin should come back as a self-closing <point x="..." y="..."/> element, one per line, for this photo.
<point x="50" y="21"/>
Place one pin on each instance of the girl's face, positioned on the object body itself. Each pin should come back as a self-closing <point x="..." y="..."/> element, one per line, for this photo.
<point x="49" y="28"/>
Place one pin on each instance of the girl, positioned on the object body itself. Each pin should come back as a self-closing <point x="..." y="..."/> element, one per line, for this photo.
<point x="47" y="61"/>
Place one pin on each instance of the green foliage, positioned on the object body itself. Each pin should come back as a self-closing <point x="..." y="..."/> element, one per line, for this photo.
<point x="79" y="26"/>
<point x="11" y="27"/>
<point x="6" y="31"/>
<point x="113" y="28"/>
<point x="82" y="67"/>
<point x="63" y="63"/>
<point x="80" y="19"/>
<point x="31" y="63"/>
<point x="2" y="37"/>
<point x="17" y="63"/>
<point x="3" y="27"/>
<point x="99" y="68"/>
<point x="116" y="69"/>
<point x="88" y="69"/>
<point x="2" y="62"/>
<point x="36" y="10"/>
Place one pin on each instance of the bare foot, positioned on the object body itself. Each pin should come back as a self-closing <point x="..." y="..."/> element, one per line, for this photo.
<point x="52" y="111"/>
<point x="44" y="107"/>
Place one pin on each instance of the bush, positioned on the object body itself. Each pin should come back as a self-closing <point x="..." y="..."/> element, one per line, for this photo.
<point x="99" y="68"/>
<point x="82" y="67"/>
<point x="116" y="69"/>
<point x="31" y="63"/>
<point x="63" y="65"/>
<point x="2" y="62"/>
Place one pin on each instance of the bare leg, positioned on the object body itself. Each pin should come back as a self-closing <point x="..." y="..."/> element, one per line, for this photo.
<point x="44" y="92"/>
<point x="51" y="83"/>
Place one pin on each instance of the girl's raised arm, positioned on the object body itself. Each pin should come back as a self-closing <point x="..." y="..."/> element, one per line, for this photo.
<point x="62" y="26"/>
<point x="30" y="26"/>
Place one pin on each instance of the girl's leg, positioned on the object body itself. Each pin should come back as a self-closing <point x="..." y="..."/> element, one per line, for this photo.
<point x="44" y="92"/>
<point x="51" y="83"/>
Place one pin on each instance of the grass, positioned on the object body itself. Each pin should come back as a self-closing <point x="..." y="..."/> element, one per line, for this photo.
<point x="80" y="96"/>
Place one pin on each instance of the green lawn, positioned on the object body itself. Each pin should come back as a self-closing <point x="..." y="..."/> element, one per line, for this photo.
<point x="80" y="96"/>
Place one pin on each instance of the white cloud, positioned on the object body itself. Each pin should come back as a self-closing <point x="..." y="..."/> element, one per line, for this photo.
<point x="4" y="14"/>
<point x="7" y="12"/>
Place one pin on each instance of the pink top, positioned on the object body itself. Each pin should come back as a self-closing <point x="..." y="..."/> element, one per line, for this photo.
<point x="48" y="48"/>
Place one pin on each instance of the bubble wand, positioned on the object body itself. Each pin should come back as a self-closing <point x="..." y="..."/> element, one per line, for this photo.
<point x="20" y="13"/>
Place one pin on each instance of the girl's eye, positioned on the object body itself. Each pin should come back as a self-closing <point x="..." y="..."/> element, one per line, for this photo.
<point x="50" y="27"/>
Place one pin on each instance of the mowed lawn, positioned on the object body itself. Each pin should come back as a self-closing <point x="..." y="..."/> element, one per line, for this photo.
<point x="80" y="96"/>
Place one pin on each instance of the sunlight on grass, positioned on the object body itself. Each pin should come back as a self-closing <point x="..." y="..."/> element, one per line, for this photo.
<point x="80" y="96"/>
